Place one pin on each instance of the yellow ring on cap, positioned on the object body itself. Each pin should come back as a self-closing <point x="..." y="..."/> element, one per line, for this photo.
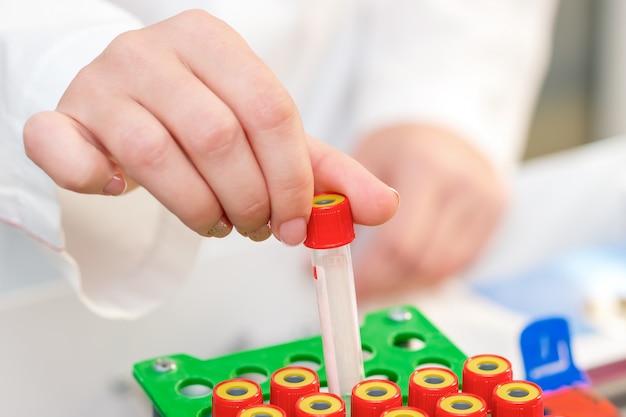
<point x="474" y="363"/>
<point x="327" y="200"/>
<point x="307" y="402"/>
<point x="307" y="375"/>
<point x="222" y="390"/>
<point x="503" y="391"/>
<point x="419" y="378"/>
<point x="261" y="410"/>
<point x="447" y="404"/>
<point x="362" y="390"/>
<point x="404" y="412"/>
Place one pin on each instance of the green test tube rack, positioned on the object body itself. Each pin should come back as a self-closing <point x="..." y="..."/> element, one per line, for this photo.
<point x="395" y="342"/>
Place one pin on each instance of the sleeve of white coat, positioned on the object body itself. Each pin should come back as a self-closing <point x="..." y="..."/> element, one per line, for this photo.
<point x="475" y="67"/>
<point x="43" y="44"/>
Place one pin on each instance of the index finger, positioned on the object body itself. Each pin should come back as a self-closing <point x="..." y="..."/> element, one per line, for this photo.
<point x="265" y="110"/>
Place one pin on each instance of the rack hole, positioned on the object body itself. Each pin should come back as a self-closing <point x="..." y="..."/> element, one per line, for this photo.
<point x="382" y="374"/>
<point x="367" y="353"/>
<point x="253" y="373"/>
<point x="195" y="388"/>
<point x="409" y="341"/>
<point x="306" y="361"/>
<point x="433" y="363"/>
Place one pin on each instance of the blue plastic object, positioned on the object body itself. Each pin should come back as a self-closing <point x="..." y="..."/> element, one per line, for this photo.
<point x="547" y="355"/>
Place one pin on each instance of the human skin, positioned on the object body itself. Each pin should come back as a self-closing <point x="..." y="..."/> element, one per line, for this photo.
<point x="451" y="201"/>
<point x="185" y="109"/>
<point x="220" y="143"/>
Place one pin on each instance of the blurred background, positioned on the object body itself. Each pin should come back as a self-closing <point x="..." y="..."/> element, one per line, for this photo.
<point x="584" y="100"/>
<point x="585" y="91"/>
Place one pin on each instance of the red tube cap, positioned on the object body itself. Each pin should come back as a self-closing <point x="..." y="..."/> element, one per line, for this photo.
<point x="331" y="224"/>
<point x="517" y="399"/>
<point x="289" y="384"/>
<point x="233" y="395"/>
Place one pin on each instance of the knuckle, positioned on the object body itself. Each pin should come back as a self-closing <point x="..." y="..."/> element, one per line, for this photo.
<point x="201" y="24"/>
<point x="294" y="182"/>
<point x="125" y="54"/>
<point x="298" y="184"/>
<point x="143" y="146"/>
<point x="194" y="17"/>
<point x="215" y="139"/>
<point x="126" y="49"/>
<point x="132" y="43"/>
<point x="273" y="108"/>
<point x="254" y="214"/>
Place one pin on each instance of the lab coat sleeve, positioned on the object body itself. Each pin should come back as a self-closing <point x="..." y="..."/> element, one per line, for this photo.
<point x="475" y="67"/>
<point x="43" y="44"/>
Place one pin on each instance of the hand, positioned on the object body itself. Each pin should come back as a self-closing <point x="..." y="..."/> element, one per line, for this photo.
<point x="451" y="201"/>
<point x="185" y="109"/>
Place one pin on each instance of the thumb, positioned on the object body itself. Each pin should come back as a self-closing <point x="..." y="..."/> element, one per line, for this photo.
<point x="371" y="200"/>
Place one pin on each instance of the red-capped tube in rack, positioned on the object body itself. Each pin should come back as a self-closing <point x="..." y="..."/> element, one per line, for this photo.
<point x="405" y="411"/>
<point x="371" y="397"/>
<point x="322" y="404"/>
<point x="461" y="405"/>
<point x="427" y="385"/>
<point x="329" y="233"/>
<point x="233" y="395"/>
<point x="289" y="384"/>
<point x="262" y="410"/>
<point x="517" y="399"/>
<point x="482" y="373"/>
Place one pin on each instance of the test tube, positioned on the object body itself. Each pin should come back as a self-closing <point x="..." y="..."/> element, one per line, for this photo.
<point x="427" y="385"/>
<point x="482" y="373"/>
<point x="371" y="397"/>
<point x="330" y="231"/>
<point x="290" y="383"/>
<point x="233" y="395"/>
<point x="518" y="399"/>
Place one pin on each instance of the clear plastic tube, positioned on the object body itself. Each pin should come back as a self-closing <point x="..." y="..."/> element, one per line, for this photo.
<point x="341" y="336"/>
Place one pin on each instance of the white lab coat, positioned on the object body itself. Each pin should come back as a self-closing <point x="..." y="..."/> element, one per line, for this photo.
<point x="351" y="66"/>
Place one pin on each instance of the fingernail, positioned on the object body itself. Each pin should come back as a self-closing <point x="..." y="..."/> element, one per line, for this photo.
<point x="396" y="193"/>
<point x="221" y="229"/>
<point x="260" y="234"/>
<point x="116" y="186"/>
<point x="292" y="232"/>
